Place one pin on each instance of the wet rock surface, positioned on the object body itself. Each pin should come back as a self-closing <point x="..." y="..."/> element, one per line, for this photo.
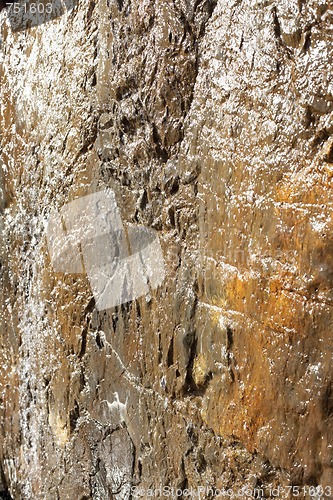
<point x="212" y="124"/>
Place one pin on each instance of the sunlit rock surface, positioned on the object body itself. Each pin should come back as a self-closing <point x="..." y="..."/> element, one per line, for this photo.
<point x="212" y="124"/>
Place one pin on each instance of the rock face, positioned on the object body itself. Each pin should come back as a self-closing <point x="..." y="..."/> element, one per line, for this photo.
<point x="212" y="123"/>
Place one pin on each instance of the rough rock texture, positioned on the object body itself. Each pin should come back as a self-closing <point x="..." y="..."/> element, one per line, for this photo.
<point x="212" y="122"/>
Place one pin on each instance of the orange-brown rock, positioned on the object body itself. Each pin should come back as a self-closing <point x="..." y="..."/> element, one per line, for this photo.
<point x="212" y="123"/>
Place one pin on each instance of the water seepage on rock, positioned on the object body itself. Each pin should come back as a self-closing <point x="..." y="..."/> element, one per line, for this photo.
<point x="211" y="122"/>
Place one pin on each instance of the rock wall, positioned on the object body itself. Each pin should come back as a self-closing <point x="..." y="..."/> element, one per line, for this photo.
<point x="211" y="121"/>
